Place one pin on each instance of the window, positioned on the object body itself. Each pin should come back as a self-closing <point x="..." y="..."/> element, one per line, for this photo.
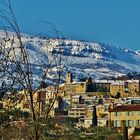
<point x="131" y="123"/>
<point x="71" y="113"/>
<point x="139" y="113"/>
<point x="127" y="123"/>
<point x="115" y="123"/>
<point x="118" y="124"/>
<point x="117" y="113"/>
<point x="129" y="113"/>
<point x="136" y="122"/>
<point x="82" y="113"/>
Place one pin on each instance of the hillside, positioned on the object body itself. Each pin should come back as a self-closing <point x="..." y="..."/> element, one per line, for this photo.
<point x="80" y="57"/>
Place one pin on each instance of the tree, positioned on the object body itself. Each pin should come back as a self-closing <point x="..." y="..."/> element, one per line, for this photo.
<point x="124" y="130"/>
<point x="125" y="133"/>
<point x="94" y="120"/>
<point x="16" y="71"/>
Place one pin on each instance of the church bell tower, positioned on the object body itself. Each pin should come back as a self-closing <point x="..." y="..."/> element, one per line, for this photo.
<point x="69" y="77"/>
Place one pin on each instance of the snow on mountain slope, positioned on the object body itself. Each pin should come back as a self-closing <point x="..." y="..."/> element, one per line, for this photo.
<point x="80" y="57"/>
<point x="88" y="59"/>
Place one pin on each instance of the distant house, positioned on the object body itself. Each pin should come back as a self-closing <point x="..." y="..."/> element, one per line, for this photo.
<point x="117" y="89"/>
<point x="101" y="112"/>
<point x="78" y="111"/>
<point x="76" y="99"/>
<point x="43" y="98"/>
<point x="128" y="88"/>
<point x="77" y="88"/>
<point x="128" y="113"/>
<point x="88" y="120"/>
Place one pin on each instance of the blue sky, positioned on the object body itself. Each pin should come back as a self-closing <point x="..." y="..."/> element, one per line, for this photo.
<point x="114" y="22"/>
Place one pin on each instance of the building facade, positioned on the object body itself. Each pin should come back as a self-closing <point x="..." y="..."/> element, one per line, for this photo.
<point x="128" y="88"/>
<point x="128" y="113"/>
<point x="77" y="88"/>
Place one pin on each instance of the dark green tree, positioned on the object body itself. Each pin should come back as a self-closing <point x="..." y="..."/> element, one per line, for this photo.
<point x="94" y="120"/>
<point x="125" y="133"/>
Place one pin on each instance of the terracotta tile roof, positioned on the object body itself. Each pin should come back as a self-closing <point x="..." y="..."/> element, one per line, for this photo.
<point x="125" y="108"/>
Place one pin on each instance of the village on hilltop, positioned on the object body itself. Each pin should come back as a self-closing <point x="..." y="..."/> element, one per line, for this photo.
<point x="112" y="102"/>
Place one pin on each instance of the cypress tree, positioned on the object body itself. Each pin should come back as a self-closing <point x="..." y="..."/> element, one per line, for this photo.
<point x="94" y="119"/>
<point x="124" y="130"/>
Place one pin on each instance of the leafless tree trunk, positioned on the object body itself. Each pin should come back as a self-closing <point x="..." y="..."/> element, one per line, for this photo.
<point x="15" y="67"/>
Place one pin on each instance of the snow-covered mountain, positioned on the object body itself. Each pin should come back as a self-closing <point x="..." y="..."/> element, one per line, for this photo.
<point x="80" y="57"/>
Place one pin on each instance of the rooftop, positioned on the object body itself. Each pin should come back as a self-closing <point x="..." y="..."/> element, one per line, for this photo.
<point x="118" y="83"/>
<point x="125" y="108"/>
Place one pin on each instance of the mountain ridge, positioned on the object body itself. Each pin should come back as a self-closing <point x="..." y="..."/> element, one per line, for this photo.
<point x="82" y="58"/>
